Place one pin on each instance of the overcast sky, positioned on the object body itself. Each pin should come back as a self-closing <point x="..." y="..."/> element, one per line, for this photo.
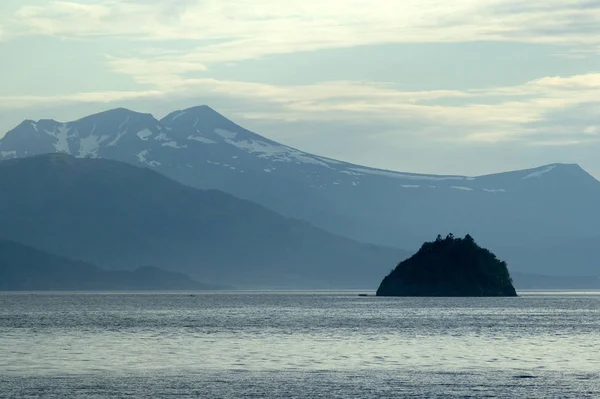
<point x="434" y="86"/>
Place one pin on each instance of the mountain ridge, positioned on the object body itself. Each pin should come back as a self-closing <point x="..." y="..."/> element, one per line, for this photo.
<point x="24" y="268"/>
<point x="212" y="112"/>
<point x="529" y="208"/>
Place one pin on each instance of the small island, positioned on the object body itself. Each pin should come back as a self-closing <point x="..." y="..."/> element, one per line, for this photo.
<point x="449" y="267"/>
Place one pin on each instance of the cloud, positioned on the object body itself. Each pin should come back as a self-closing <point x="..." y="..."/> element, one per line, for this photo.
<point x="548" y="111"/>
<point x="82" y="19"/>
<point x="254" y="28"/>
<point x="104" y="97"/>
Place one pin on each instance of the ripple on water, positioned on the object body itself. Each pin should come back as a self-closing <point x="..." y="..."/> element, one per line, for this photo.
<point x="299" y="345"/>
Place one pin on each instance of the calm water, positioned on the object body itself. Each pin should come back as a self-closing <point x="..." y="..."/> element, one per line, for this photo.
<point x="281" y="345"/>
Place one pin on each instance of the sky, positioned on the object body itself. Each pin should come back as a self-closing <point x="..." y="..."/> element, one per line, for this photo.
<point x="462" y="87"/>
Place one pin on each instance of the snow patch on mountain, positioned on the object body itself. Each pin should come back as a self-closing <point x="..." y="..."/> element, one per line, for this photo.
<point x="142" y="158"/>
<point x="124" y="122"/>
<point x="178" y="115"/>
<point x="539" y="173"/>
<point x="330" y="161"/>
<point x="144" y="134"/>
<point x="61" y="134"/>
<point x="303" y="158"/>
<point x="202" y="139"/>
<point x="226" y="134"/>
<point x="162" y="137"/>
<point x="253" y="146"/>
<point x="494" y="190"/>
<point x="273" y="152"/>
<point x="116" y="139"/>
<point x="8" y="154"/>
<point x="399" y="175"/>
<point x="349" y="172"/>
<point x="89" y="146"/>
<point x="173" y="144"/>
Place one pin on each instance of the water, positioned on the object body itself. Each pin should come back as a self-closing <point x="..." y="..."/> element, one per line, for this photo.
<point x="298" y="344"/>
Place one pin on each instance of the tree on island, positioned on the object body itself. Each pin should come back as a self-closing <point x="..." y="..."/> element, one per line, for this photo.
<point x="449" y="267"/>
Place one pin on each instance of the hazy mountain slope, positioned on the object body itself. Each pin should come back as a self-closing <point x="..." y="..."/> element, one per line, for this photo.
<point x="23" y="268"/>
<point x="516" y="214"/>
<point x="117" y="215"/>
<point x="523" y="281"/>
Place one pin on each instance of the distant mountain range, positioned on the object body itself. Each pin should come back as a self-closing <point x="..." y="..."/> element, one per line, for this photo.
<point x="24" y="268"/>
<point x="543" y="220"/>
<point x="122" y="217"/>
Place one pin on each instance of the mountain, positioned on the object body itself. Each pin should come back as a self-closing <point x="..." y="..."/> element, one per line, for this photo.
<point x="517" y="214"/>
<point x="119" y="216"/>
<point x="23" y="268"/>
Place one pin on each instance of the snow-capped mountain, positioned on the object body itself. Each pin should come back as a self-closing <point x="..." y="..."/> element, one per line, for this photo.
<point x="546" y="207"/>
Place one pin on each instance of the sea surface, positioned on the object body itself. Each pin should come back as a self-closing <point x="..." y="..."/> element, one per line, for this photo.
<point x="298" y="345"/>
